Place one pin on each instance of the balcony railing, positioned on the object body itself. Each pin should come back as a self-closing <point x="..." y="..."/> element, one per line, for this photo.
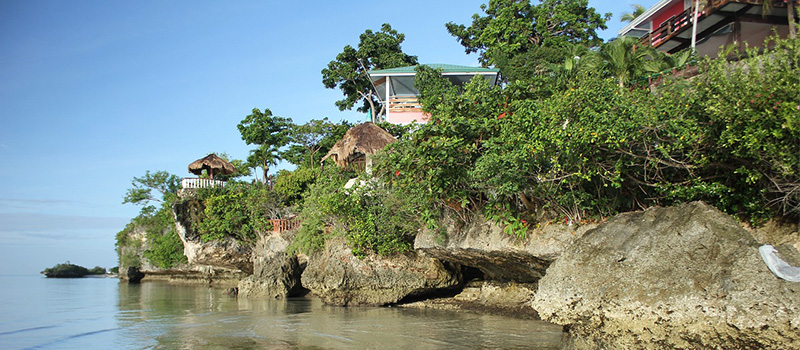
<point x="404" y="104"/>
<point x="280" y="225"/>
<point x="682" y="21"/>
<point x="201" y="183"/>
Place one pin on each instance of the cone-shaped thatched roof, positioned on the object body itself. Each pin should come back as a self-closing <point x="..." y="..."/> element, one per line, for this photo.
<point x="361" y="140"/>
<point x="214" y="165"/>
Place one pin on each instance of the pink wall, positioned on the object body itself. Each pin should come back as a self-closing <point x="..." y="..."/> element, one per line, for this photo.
<point x="406" y="117"/>
<point x="669" y="11"/>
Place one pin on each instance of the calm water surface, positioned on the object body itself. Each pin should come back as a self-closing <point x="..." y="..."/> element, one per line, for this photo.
<point x="98" y="313"/>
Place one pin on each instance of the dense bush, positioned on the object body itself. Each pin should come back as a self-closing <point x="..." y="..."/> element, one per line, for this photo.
<point x="239" y="211"/>
<point x="371" y="217"/>
<point x="728" y="137"/>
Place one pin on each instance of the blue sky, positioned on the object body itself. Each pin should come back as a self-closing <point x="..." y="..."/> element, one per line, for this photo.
<point x="96" y="92"/>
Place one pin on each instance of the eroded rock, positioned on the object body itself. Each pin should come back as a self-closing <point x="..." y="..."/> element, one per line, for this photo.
<point x="227" y="253"/>
<point x="339" y="278"/>
<point x="500" y="256"/>
<point x="686" y="277"/>
<point x="276" y="274"/>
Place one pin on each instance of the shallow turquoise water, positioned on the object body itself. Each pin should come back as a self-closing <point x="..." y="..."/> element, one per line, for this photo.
<point x="99" y="313"/>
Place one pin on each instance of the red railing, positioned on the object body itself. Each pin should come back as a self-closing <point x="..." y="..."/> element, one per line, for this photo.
<point x="680" y="22"/>
<point x="280" y="225"/>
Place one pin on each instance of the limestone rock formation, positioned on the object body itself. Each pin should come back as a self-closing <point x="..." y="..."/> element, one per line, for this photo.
<point x="276" y="274"/>
<point x="339" y="278"/>
<point x="500" y="256"/>
<point x="685" y="277"/>
<point x="227" y="253"/>
<point x="130" y="275"/>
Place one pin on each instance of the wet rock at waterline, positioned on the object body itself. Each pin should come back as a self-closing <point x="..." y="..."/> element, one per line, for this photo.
<point x="339" y="278"/>
<point x="276" y="274"/>
<point x="685" y="277"/>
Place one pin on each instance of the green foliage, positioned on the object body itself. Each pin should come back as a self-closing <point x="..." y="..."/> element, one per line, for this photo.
<point x="114" y="270"/>
<point x="97" y="270"/>
<point x="315" y="214"/>
<point x="159" y="224"/>
<point x="269" y="133"/>
<point x="638" y="10"/>
<point x="375" y="50"/>
<point x="239" y="212"/>
<point x="166" y="249"/>
<point x="524" y="39"/>
<point x="372" y="218"/>
<point x="291" y="185"/>
<point x="66" y="270"/>
<point x="309" y="142"/>
<point x="161" y="181"/>
<point x="593" y="150"/>
<point x="752" y="111"/>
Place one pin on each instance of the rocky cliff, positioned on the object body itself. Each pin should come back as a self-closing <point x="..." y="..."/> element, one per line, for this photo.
<point x="499" y="256"/>
<point x="687" y="277"/>
<point x="340" y="278"/>
<point x="227" y="253"/>
<point x="276" y="273"/>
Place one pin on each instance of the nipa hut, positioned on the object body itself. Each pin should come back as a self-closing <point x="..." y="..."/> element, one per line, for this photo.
<point x="213" y="164"/>
<point x="358" y="145"/>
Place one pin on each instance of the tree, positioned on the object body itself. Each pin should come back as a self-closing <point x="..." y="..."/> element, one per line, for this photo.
<point x="624" y="59"/>
<point x="311" y="140"/>
<point x="142" y="192"/>
<point x="269" y="132"/>
<point x="376" y="50"/>
<point x="522" y="40"/>
<point x="638" y="10"/>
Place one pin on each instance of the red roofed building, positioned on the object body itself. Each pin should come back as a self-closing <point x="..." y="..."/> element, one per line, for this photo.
<point x="668" y="25"/>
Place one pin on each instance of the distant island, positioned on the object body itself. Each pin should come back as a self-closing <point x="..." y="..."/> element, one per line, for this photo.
<point x="69" y="270"/>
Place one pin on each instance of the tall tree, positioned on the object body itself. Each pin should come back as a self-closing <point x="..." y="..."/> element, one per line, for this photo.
<point x="309" y="141"/>
<point x="624" y="59"/>
<point x="141" y="193"/>
<point x="376" y="50"/>
<point x="638" y="10"/>
<point x="524" y="39"/>
<point x="269" y="132"/>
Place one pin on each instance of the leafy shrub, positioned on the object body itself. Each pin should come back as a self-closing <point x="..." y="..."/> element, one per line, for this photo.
<point x="239" y="212"/>
<point x="371" y="217"/>
<point x="293" y="184"/>
<point x="728" y="137"/>
<point x="166" y="249"/>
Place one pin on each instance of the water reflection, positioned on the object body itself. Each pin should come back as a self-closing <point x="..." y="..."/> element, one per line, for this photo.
<point x="163" y="316"/>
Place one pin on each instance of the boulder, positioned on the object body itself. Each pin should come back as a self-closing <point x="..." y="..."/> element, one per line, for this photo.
<point x="684" y="277"/>
<point x="276" y="274"/>
<point x="339" y="278"/>
<point x="227" y="253"/>
<point x="499" y="256"/>
<point x="130" y="275"/>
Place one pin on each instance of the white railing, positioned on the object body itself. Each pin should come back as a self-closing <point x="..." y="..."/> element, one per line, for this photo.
<point x="201" y="183"/>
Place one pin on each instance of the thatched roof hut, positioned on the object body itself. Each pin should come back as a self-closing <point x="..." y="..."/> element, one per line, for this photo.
<point x="213" y="164"/>
<point x="358" y="144"/>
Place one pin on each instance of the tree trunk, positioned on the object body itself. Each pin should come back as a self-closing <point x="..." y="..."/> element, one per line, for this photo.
<point x="525" y="201"/>
<point x="790" y="12"/>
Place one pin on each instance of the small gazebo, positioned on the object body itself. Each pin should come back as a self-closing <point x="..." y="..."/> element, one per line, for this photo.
<point x="359" y="144"/>
<point x="212" y="164"/>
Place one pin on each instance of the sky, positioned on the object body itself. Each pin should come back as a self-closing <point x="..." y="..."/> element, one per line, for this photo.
<point x="94" y="93"/>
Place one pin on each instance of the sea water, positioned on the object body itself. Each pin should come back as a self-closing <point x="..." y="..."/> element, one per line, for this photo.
<point x="101" y="313"/>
